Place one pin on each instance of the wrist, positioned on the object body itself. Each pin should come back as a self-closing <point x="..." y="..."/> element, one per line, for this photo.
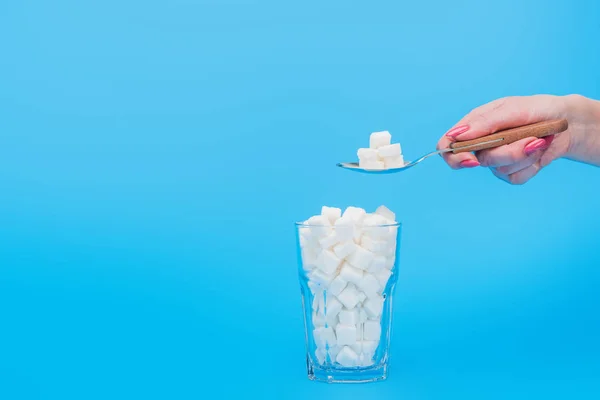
<point x="583" y="115"/>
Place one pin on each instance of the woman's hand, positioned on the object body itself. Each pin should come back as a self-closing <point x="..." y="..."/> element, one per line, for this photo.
<point x="518" y="162"/>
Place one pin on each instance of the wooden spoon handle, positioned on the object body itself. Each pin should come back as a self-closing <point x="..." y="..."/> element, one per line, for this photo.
<point x="508" y="136"/>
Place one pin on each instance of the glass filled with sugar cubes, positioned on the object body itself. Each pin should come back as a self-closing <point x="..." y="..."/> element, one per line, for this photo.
<point x="348" y="270"/>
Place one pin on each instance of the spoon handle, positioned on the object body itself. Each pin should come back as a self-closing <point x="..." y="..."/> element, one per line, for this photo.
<point x="508" y="136"/>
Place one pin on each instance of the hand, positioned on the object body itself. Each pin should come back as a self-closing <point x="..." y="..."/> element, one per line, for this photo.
<point x="518" y="162"/>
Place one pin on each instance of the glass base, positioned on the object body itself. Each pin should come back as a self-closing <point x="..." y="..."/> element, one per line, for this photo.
<point x="330" y="374"/>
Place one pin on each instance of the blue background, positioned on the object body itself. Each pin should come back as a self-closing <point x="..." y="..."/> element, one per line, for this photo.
<point x="155" y="154"/>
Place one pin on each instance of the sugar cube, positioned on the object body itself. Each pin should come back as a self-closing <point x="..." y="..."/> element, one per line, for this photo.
<point x="318" y="319"/>
<point x="367" y="154"/>
<point x="378" y="263"/>
<point x="372" y="330"/>
<point x="359" y="331"/>
<point x="363" y="316"/>
<point x="345" y="334"/>
<point x="357" y="346"/>
<point x="373" y="306"/>
<point x="386" y="213"/>
<point x="343" y="250"/>
<point x="331" y="320"/>
<point x="333" y="306"/>
<point x="337" y="285"/>
<point x="351" y="274"/>
<point x="371" y="165"/>
<point x="349" y="317"/>
<point x="374" y="245"/>
<point x="347" y="357"/>
<point x="390" y="150"/>
<point x="344" y="228"/>
<point x="320" y="278"/>
<point x="334" y="351"/>
<point x="327" y="242"/>
<point x="361" y="297"/>
<point x="331" y="213"/>
<point x="349" y="297"/>
<point x="318" y="225"/>
<point x="369" y="285"/>
<point x="369" y="346"/>
<point x="324" y="336"/>
<point x="328" y="262"/>
<point x="321" y="355"/>
<point x="379" y="139"/>
<point x="365" y="360"/>
<point x="361" y="258"/>
<point x="383" y="276"/>
<point x="394" y="162"/>
<point x="355" y="214"/>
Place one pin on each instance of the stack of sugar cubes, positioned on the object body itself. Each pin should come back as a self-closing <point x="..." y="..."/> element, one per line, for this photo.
<point x="381" y="154"/>
<point x="348" y="260"/>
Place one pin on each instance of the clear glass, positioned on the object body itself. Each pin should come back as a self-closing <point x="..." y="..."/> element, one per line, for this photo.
<point x="347" y="288"/>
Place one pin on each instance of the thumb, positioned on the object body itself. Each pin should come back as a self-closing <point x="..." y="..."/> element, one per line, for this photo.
<point x="505" y="113"/>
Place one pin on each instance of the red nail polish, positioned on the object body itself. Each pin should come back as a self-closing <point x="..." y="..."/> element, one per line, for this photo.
<point x="539" y="144"/>
<point x="454" y="132"/>
<point x="469" y="164"/>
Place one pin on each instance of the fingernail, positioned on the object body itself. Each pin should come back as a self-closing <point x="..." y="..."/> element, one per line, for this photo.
<point x="454" y="132"/>
<point x="539" y="144"/>
<point x="469" y="164"/>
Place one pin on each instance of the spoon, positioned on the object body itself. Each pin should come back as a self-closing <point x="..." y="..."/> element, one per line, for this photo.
<point x="500" y="138"/>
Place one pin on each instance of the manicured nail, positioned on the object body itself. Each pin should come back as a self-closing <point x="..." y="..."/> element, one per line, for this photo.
<point x="469" y="164"/>
<point x="454" y="132"/>
<point x="539" y="144"/>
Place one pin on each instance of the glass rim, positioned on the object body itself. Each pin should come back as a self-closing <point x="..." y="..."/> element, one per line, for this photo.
<point x="304" y="225"/>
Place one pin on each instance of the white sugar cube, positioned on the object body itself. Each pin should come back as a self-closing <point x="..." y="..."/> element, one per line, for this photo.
<point x="357" y="346"/>
<point x="347" y="357"/>
<point x="358" y="234"/>
<point x="369" y="346"/>
<point x="361" y="258"/>
<point x="367" y="154"/>
<point x="324" y="336"/>
<point x="343" y="250"/>
<point x="318" y="302"/>
<point x="331" y="320"/>
<point x="320" y="278"/>
<point x="374" y="220"/>
<point x="355" y="214"/>
<point x="318" y="319"/>
<point x="344" y="229"/>
<point x="373" y="306"/>
<point x="362" y="316"/>
<point x="370" y="285"/>
<point x="328" y="262"/>
<point x="321" y="355"/>
<point x="383" y="276"/>
<point x="329" y="241"/>
<point x="365" y="360"/>
<point x="318" y="225"/>
<point x="351" y="274"/>
<point x="333" y="306"/>
<point x="389" y="263"/>
<point x="378" y="263"/>
<point x="309" y="259"/>
<point x="334" y="351"/>
<point x="349" y="297"/>
<point x="371" y="165"/>
<point x="393" y="162"/>
<point x="349" y="317"/>
<point x="345" y="334"/>
<point x="379" y="139"/>
<point x="331" y="213"/>
<point x="361" y="297"/>
<point x="390" y="150"/>
<point x="314" y="287"/>
<point x="374" y="245"/>
<point x="372" y="330"/>
<point x="359" y="331"/>
<point x="386" y="213"/>
<point x="337" y="285"/>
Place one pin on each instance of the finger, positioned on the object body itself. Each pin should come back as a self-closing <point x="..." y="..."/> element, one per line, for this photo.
<point x="521" y="165"/>
<point x="505" y="155"/>
<point x="456" y="161"/>
<point x="508" y="112"/>
<point x="519" y="177"/>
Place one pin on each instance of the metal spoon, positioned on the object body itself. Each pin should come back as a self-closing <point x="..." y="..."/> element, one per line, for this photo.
<point x="540" y="129"/>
